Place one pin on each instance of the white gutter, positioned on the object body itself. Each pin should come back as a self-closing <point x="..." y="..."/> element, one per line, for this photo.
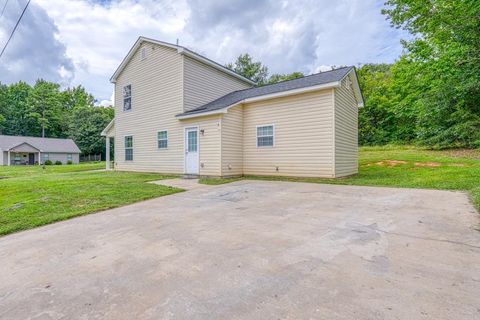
<point x="324" y="86"/>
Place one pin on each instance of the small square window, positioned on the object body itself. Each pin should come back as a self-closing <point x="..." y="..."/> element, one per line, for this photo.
<point x="265" y="136"/>
<point x="162" y="138"/>
<point x="127" y="98"/>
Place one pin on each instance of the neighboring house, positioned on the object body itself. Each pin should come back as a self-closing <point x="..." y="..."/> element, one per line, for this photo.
<point x="179" y="112"/>
<point x="18" y="150"/>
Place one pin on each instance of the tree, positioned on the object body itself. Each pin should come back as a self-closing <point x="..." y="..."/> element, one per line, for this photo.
<point x="440" y="68"/>
<point x="15" y="109"/>
<point x="245" y="66"/>
<point x="274" y="78"/>
<point x="375" y="119"/>
<point x="76" y="97"/>
<point x="45" y="108"/>
<point x="85" y="126"/>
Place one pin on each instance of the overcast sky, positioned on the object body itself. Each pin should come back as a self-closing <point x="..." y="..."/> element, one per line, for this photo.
<point x="83" y="41"/>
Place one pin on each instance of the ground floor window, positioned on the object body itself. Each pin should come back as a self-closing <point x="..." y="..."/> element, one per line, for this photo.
<point x="17" y="157"/>
<point x="265" y="136"/>
<point x="162" y="138"/>
<point x="69" y="157"/>
<point x="128" y="148"/>
<point x="45" y="156"/>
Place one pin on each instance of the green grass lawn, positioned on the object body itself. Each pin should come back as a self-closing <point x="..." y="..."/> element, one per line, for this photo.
<point x="407" y="167"/>
<point x="31" y="196"/>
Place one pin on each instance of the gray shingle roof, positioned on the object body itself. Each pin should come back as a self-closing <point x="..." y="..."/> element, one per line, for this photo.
<point x="304" y="82"/>
<point x="42" y="144"/>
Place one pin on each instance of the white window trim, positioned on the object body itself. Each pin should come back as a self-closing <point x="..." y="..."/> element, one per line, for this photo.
<point x="125" y="148"/>
<point x="162" y="140"/>
<point x="69" y="157"/>
<point x="131" y="98"/>
<point x="273" y="135"/>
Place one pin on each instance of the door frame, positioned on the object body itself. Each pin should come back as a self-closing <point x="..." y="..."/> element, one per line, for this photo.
<point x="196" y="127"/>
<point x="33" y="156"/>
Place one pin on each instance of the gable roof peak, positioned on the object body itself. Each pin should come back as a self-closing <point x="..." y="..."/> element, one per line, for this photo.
<point x="181" y="50"/>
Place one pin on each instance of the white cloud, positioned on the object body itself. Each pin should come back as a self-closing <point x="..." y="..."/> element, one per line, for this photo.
<point x="34" y="51"/>
<point x="90" y="39"/>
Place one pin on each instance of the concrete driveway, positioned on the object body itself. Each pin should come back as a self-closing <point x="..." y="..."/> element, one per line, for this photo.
<point x="253" y="250"/>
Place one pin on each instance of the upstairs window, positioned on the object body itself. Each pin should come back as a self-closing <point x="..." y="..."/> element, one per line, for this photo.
<point x="162" y="138"/>
<point x="127" y="98"/>
<point x="128" y="148"/>
<point x="143" y="53"/>
<point x="265" y="136"/>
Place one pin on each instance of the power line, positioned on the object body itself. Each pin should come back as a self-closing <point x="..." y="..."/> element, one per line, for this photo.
<point x="3" y="9"/>
<point x="13" y="31"/>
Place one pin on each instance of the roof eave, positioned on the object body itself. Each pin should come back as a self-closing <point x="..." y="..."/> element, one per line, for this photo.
<point x="357" y="90"/>
<point x="110" y="124"/>
<point x="9" y="149"/>
<point x="324" y="86"/>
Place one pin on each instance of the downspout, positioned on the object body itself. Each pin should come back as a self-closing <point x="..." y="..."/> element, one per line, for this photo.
<point x="334" y="165"/>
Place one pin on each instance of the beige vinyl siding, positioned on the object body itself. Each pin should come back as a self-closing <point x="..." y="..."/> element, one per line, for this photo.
<point x="203" y="84"/>
<point x="157" y="96"/>
<point x="209" y="143"/>
<point x="303" y="143"/>
<point x="346" y="131"/>
<point x="232" y="142"/>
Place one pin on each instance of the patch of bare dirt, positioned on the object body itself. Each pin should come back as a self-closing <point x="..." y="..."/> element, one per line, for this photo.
<point x="390" y="163"/>
<point x="456" y="165"/>
<point x="427" y="164"/>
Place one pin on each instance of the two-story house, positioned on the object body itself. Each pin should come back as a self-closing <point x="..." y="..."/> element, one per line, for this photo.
<point x="179" y="112"/>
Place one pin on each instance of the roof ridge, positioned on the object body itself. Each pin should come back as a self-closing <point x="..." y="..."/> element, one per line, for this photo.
<point x="283" y="81"/>
<point x="309" y="75"/>
<point x="6" y="135"/>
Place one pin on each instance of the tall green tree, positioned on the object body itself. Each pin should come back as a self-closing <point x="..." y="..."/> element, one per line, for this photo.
<point x="250" y="69"/>
<point x="16" y="108"/>
<point x="85" y="126"/>
<point x="376" y="119"/>
<point x="45" y="109"/>
<point x="441" y="68"/>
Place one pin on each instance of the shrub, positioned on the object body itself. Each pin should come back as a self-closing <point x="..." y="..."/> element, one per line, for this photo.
<point x="69" y="162"/>
<point x="48" y="162"/>
<point x="58" y="163"/>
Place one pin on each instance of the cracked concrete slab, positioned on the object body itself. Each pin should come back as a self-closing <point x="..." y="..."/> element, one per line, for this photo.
<point x="253" y="250"/>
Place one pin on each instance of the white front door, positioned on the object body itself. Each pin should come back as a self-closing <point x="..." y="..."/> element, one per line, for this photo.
<point x="191" y="151"/>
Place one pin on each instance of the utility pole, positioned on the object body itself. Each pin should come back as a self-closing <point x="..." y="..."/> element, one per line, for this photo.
<point x="43" y="123"/>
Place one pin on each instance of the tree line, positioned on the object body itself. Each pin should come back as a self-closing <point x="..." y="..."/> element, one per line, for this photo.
<point x="45" y="109"/>
<point x="430" y="96"/>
